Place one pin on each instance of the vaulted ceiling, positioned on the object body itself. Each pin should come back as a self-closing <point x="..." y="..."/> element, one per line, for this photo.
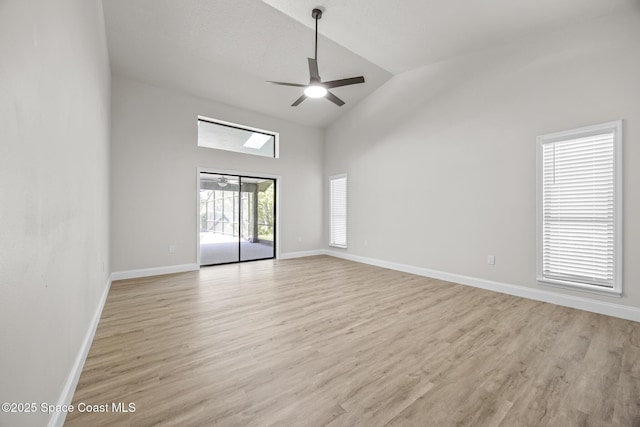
<point x="225" y="50"/>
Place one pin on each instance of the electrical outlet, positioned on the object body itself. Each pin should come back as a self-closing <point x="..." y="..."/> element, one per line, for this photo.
<point x="366" y="243"/>
<point x="491" y="260"/>
<point x="172" y="249"/>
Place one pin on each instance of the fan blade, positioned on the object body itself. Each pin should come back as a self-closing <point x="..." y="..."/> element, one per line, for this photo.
<point x="299" y="100"/>
<point x="313" y="69"/>
<point x="286" y="84"/>
<point x="343" y="82"/>
<point x="331" y="97"/>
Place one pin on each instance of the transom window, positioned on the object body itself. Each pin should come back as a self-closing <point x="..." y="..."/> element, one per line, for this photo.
<point x="238" y="138"/>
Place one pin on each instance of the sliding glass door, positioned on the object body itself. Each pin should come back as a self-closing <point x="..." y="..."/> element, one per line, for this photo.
<point x="237" y="218"/>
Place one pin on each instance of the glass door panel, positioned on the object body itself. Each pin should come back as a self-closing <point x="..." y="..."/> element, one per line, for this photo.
<point x="257" y="216"/>
<point x="219" y="219"/>
<point x="237" y="218"/>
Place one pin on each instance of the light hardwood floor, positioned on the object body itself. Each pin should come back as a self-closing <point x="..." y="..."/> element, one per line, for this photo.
<point x="323" y="341"/>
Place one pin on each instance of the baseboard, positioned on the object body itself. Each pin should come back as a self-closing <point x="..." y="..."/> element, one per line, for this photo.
<point x="57" y="418"/>
<point x="291" y="255"/>
<point x="156" y="271"/>
<point x="595" y="306"/>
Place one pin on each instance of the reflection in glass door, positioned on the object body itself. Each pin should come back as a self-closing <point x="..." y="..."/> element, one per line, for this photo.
<point x="237" y="218"/>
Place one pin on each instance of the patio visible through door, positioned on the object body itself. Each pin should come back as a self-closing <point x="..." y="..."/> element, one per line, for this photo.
<point x="237" y="218"/>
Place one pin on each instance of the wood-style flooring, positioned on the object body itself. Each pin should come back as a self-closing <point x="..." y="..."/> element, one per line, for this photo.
<point x="322" y="341"/>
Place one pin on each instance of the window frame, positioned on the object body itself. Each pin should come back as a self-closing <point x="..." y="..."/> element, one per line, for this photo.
<point x="346" y="210"/>
<point x="616" y="127"/>
<point x="275" y="135"/>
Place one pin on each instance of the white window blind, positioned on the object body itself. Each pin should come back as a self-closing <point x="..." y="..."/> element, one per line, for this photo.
<point x="578" y="208"/>
<point x="338" y="216"/>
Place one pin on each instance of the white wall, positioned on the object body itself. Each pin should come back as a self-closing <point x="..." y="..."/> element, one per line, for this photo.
<point x="442" y="160"/>
<point x="54" y="215"/>
<point x="154" y="163"/>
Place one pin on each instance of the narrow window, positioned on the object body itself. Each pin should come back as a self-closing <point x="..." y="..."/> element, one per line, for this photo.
<point x="338" y="216"/>
<point x="579" y="208"/>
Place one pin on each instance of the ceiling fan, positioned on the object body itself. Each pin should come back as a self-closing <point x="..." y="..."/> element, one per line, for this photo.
<point x="316" y="87"/>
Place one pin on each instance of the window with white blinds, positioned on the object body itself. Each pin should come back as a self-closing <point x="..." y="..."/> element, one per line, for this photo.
<point x="579" y="201"/>
<point x="338" y="215"/>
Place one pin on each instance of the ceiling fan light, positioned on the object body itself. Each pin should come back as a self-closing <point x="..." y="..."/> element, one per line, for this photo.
<point x="315" y="91"/>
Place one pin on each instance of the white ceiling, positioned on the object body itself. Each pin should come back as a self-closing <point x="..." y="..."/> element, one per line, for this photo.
<point x="407" y="34"/>
<point x="225" y="49"/>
